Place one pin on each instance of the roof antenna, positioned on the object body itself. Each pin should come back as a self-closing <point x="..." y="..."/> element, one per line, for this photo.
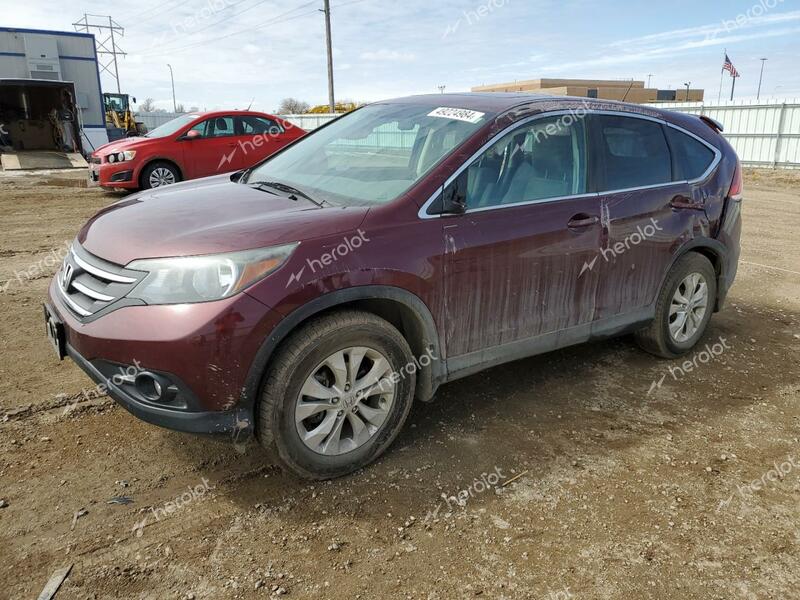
<point x="251" y="103"/>
<point x="628" y="90"/>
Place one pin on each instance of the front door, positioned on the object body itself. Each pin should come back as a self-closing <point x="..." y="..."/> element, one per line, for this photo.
<point x="215" y="150"/>
<point x="514" y="258"/>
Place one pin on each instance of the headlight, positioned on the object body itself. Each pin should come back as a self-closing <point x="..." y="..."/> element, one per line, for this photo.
<point x="121" y="156"/>
<point x="204" y="278"/>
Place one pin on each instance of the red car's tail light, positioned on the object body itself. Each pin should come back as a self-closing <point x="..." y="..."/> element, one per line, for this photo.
<point x="735" y="192"/>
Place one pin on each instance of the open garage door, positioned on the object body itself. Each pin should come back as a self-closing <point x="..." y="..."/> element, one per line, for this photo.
<point x="39" y="125"/>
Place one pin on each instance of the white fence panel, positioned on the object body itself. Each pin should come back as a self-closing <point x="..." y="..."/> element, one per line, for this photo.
<point x="765" y="134"/>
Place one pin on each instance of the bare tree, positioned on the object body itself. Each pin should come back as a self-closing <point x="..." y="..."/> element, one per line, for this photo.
<point x="292" y="106"/>
<point x="148" y="105"/>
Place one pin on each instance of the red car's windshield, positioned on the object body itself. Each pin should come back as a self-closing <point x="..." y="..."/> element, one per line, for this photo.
<point x="172" y="126"/>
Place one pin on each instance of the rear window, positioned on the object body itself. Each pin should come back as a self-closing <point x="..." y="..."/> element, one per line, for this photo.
<point x="692" y="157"/>
<point x="634" y="153"/>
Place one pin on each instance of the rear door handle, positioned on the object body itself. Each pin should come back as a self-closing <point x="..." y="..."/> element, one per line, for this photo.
<point x="582" y="220"/>
<point x="681" y="201"/>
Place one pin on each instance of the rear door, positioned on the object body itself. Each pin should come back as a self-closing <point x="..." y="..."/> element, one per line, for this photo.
<point x="513" y="260"/>
<point x="258" y="138"/>
<point x="648" y="210"/>
<point x="215" y="151"/>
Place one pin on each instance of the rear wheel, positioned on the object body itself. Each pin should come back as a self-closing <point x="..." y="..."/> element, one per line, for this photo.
<point x="683" y="308"/>
<point x="159" y="174"/>
<point x="336" y="395"/>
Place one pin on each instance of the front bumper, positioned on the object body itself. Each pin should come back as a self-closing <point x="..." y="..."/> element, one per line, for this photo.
<point x="234" y="422"/>
<point x="205" y="349"/>
<point x="113" y="175"/>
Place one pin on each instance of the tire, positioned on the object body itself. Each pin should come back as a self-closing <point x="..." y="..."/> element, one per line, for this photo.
<point x="306" y="355"/>
<point x="657" y="338"/>
<point x="163" y="172"/>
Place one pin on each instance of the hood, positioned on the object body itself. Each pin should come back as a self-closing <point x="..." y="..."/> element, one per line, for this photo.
<point x="207" y="216"/>
<point x="130" y="143"/>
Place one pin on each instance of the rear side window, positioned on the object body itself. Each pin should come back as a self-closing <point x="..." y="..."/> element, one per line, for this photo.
<point x="692" y="158"/>
<point x="258" y="126"/>
<point x="634" y="152"/>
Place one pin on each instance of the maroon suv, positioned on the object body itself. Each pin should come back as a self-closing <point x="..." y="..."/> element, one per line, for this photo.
<point x="311" y="298"/>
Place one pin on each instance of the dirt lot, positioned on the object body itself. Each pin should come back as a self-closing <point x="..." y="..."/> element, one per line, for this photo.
<point x="689" y="491"/>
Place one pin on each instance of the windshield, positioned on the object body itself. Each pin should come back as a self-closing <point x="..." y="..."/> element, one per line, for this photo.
<point x="171" y="127"/>
<point x="371" y="155"/>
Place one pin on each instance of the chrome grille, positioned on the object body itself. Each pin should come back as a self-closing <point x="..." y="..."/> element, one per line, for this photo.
<point x="89" y="284"/>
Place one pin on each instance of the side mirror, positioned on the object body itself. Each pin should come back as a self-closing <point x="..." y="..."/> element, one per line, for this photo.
<point x="192" y="134"/>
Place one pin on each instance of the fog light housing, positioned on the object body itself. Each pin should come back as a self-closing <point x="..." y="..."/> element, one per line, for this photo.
<point x="154" y="387"/>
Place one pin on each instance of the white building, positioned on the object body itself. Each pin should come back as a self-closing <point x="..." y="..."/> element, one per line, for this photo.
<point x="50" y="92"/>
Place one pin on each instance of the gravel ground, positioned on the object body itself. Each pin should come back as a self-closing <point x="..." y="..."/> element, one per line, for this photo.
<point x="576" y="480"/>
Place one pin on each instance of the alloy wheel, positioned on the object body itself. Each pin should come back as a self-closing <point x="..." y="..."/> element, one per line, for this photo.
<point x="688" y="307"/>
<point x="345" y="400"/>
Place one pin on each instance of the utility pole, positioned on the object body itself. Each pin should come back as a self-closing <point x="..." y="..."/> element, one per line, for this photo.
<point x="172" y="78"/>
<point x="327" y="11"/>
<point x="760" y="77"/>
<point x="105" y="43"/>
<point x="687" y="90"/>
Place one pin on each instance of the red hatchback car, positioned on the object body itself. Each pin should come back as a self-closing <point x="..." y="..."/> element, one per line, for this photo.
<point x="313" y="297"/>
<point x="191" y="146"/>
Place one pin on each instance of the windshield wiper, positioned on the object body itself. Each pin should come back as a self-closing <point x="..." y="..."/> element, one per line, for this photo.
<point x="292" y="192"/>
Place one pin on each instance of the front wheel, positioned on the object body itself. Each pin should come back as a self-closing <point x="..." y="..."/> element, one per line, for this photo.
<point x="683" y="308"/>
<point x="159" y="174"/>
<point x="337" y="394"/>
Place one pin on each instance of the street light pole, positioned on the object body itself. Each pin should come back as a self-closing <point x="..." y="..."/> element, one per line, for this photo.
<point x="687" y="90"/>
<point x="172" y="78"/>
<point x="648" y="79"/>
<point x="760" y="77"/>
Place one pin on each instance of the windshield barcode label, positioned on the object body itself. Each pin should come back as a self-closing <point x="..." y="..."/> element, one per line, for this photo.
<point x="459" y="114"/>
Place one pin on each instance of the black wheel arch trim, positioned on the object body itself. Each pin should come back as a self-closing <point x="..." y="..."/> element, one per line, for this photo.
<point x="429" y="379"/>
<point x="719" y="249"/>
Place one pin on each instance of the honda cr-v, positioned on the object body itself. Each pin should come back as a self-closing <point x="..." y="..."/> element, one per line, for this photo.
<point x="311" y="298"/>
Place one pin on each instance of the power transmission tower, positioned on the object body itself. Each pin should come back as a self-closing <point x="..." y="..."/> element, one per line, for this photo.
<point x="105" y="41"/>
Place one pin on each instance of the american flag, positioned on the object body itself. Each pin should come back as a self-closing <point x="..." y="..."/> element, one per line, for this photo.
<point x="728" y="66"/>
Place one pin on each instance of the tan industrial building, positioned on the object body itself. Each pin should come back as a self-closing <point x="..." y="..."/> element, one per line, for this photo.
<point x="608" y="89"/>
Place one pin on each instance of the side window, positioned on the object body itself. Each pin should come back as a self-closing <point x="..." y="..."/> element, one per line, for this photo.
<point x="203" y="127"/>
<point x="220" y="127"/>
<point x="259" y="126"/>
<point x="692" y="158"/>
<point x="634" y="152"/>
<point x="545" y="159"/>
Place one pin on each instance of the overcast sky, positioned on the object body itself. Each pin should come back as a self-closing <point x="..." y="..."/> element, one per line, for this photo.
<point x="226" y="53"/>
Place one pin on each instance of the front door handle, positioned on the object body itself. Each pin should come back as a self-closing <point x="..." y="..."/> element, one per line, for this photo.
<point x="681" y="201"/>
<point x="582" y="220"/>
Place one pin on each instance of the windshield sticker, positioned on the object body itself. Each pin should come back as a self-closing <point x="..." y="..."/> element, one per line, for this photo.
<point x="459" y="114"/>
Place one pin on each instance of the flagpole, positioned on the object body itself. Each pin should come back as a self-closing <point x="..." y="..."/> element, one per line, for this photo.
<point x="721" y="74"/>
